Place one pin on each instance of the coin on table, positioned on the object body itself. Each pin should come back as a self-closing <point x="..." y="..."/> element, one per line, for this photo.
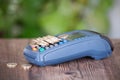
<point x="11" y="65"/>
<point x="26" y="66"/>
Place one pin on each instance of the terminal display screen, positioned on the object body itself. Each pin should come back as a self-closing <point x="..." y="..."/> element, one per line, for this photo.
<point x="72" y="36"/>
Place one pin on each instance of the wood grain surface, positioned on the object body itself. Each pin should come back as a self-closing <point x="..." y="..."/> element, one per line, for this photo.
<point x="11" y="50"/>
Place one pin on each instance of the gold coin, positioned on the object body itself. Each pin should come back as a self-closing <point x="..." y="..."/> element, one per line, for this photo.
<point x="11" y="65"/>
<point x="26" y="66"/>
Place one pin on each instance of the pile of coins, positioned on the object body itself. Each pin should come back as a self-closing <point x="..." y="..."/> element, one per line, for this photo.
<point x="24" y="66"/>
<point x="44" y="43"/>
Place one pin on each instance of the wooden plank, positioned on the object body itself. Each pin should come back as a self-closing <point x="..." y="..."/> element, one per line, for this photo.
<point x="112" y="64"/>
<point x="12" y="51"/>
<point x="82" y="69"/>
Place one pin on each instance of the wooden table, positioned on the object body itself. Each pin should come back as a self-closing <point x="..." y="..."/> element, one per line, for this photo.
<point x="11" y="50"/>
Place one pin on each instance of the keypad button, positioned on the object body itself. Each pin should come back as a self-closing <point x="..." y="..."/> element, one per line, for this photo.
<point x="53" y="38"/>
<point x="65" y="41"/>
<point x="41" y="49"/>
<point x="61" y="43"/>
<point x="56" y="44"/>
<point x="34" y="49"/>
<point x="46" y="48"/>
<point x="51" y="46"/>
<point x="46" y="42"/>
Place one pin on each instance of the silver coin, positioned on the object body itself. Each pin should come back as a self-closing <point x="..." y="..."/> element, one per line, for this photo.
<point x="11" y="65"/>
<point x="26" y="66"/>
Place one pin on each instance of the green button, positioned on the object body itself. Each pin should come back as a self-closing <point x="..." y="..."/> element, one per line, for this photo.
<point x="42" y="49"/>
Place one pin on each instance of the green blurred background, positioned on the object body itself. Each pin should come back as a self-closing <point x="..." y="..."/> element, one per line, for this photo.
<point x="33" y="18"/>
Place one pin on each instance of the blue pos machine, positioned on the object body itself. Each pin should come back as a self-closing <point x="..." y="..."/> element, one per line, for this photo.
<point x="51" y="50"/>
